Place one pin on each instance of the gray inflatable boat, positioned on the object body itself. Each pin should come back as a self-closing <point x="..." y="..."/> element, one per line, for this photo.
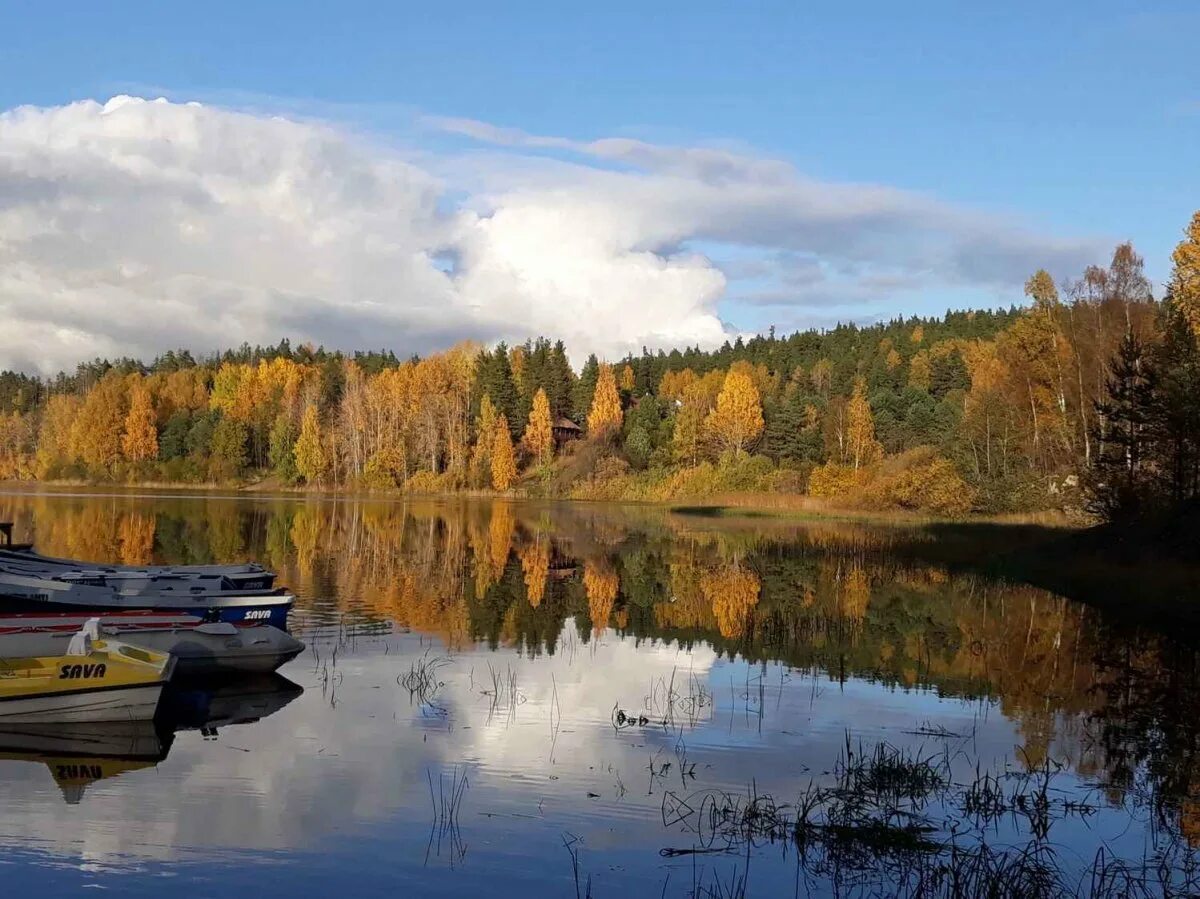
<point x="201" y="648"/>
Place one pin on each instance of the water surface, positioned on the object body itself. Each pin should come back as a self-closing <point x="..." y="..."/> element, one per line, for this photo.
<point x="564" y="698"/>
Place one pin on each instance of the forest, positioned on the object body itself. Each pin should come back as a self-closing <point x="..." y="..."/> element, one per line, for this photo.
<point x="1086" y="399"/>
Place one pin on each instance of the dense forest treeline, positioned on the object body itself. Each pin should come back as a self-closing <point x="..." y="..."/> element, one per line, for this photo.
<point x="1088" y="396"/>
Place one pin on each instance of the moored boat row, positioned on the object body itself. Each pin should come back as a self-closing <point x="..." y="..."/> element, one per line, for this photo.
<point x="237" y="594"/>
<point x="83" y="642"/>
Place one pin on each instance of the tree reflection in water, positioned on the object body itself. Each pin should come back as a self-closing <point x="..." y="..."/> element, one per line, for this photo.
<point x="1121" y="708"/>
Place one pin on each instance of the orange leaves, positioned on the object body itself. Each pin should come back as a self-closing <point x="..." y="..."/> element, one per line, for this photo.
<point x="97" y="431"/>
<point x="1185" y="279"/>
<point x="140" y="441"/>
<point x="860" y="428"/>
<point x="920" y="371"/>
<point x="311" y="461"/>
<point x="733" y="593"/>
<point x="1040" y="288"/>
<point x="601" y="583"/>
<point x="136" y="534"/>
<point x="535" y="563"/>
<point x="504" y="459"/>
<point x="737" y="421"/>
<point x="627" y="379"/>
<point x="855" y="595"/>
<point x="539" y="437"/>
<point x="605" y="418"/>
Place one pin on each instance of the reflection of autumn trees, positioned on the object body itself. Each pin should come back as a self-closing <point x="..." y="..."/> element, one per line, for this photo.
<point x="535" y="563"/>
<point x="136" y="535"/>
<point x="732" y="592"/>
<point x="855" y="594"/>
<point x="837" y="602"/>
<point x="601" y="583"/>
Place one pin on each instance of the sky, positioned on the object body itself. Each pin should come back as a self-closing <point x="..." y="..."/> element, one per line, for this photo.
<point x="620" y="175"/>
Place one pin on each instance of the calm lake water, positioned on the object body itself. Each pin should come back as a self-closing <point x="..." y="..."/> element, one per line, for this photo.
<point x="552" y="700"/>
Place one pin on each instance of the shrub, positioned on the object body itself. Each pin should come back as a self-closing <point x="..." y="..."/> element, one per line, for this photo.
<point x="833" y="481"/>
<point x="922" y="480"/>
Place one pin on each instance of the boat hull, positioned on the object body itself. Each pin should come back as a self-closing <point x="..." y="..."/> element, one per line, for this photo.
<point x="271" y="610"/>
<point x="134" y="702"/>
<point x="199" y="649"/>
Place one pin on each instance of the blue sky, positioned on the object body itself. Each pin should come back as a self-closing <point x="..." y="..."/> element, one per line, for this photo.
<point x="1080" y="120"/>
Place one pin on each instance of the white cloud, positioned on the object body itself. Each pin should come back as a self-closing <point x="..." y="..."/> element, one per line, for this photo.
<point x="136" y="226"/>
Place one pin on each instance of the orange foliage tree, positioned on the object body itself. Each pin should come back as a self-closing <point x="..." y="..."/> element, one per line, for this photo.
<point x="605" y="418"/>
<point x="539" y="436"/>
<point x="737" y="421"/>
<point x="504" y="460"/>
<point x="140" y="441"/>
<point x="733" y="593"/>
<point x="602" y="584"/>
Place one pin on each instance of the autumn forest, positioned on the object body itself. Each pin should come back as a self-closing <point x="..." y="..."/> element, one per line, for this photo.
<point x="1084" y="398"/>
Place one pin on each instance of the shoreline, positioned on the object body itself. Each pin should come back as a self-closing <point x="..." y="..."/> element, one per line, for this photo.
<point x="1125" y="572"/>
<point x="761" y="506"/>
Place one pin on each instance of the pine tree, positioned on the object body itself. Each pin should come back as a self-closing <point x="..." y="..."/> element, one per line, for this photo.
<point x="559" y="381"/>
<point x="496" y="380"/>
<point x="309" y="450"/>
<point x="791" y="432"/>
<point x="1123" y="485"/>
<point x="585" y="389"/>
<point x="140" y="440"/>
<point x="504" y="460"/>
<point x="604" y="419"/>
<point x="539" y="436"/>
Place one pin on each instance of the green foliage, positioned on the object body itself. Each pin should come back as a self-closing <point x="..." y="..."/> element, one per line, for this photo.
<point x="280" y="453"/>
<point x="638" y="447"/>
<point x="229" y="452"/>
<point x="585" y="389"/>
<point x="494" y="377"/>
<point x="173" y="442"/>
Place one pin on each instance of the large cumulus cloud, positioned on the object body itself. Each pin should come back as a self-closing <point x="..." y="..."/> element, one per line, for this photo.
<point x="133" y="226"/>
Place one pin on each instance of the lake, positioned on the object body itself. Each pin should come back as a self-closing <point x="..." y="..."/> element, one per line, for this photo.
<point x="571" y="699"/>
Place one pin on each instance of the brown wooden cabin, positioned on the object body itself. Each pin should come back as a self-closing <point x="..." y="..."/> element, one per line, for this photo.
<point x="565" y="430"/>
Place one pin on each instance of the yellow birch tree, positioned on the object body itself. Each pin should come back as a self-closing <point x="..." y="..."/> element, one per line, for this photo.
<point x="737" y="421"/>
<point x="310" y="449"/>
<point x="140" y="440"/>
<point x="1185" y="280"/>
<point x="860" y="428"/>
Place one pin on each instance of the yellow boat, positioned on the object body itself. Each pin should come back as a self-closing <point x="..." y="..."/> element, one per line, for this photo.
<point x="98" y="680"/>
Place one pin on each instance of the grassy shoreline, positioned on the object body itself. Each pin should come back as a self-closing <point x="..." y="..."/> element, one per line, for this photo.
<point x="784" y="507"/>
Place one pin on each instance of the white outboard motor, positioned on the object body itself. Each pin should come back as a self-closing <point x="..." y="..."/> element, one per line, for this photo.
<point x="81" y="643"/>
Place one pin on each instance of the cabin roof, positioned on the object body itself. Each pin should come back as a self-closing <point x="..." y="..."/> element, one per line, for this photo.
<point x="566" y="424"/>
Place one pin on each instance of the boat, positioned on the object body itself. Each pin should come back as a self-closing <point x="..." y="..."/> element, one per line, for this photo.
<point x="27" y="593"/>
<point x="95" y="679"/>
<point x="78" y="755"/>
<point x="232" y="593"/>
<point x="21" y="557"/>
<point x="207" y="707"/>
<point x="201" y="649"/>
